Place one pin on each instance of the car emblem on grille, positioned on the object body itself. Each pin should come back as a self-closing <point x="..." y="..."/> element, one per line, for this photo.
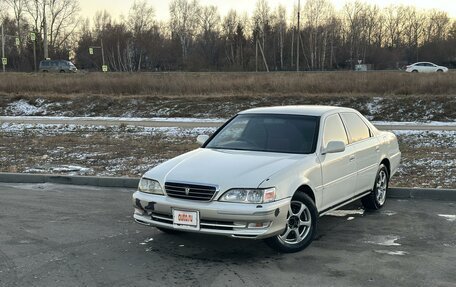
<point x="187" y="191"/>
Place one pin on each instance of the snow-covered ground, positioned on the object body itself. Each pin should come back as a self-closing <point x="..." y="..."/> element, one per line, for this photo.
<point x="429" y="157"/>
<point x="114" y="120"/>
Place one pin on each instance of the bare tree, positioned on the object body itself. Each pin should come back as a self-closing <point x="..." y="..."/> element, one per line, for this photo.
<point x="280" y="26"/>
<point x="394" y="24"/>
<point x="317" y="14"/>
<point x="262" y="19"/>
<point x="184" y="22"/>
<point x="140" y="17"/>
<point x="140" y="20"/>
<point x="34" y="10"/>
<point x="18" y="7"/>
<point x="63" y="21"/>
<point x="101" y="21"/>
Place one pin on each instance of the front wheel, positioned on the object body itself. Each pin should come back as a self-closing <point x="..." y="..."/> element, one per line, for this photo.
<point x="301" y="226"/>
<point x="376" y="199"/>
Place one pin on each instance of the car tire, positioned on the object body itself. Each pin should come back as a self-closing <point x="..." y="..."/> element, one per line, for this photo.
<point x="439" y="71"/>
<point x="301" y="221"/>
<point x="415" y="71"/>
<point x="169" y="230"/>
<point x="376" y="199"/>
<point x="62" y="71"/>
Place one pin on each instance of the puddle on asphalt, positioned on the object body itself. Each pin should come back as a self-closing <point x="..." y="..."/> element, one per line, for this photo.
<point x="384" y="240"/>
<point x="397" y="253"/>
<point x="388" y="212"/>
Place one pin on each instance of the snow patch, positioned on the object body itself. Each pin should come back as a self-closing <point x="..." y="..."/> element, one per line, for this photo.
<point x="449" y="217"/>
<point x="343" y="213"/>
<point x="70" y="169"/>
<point x="22" y="107"/>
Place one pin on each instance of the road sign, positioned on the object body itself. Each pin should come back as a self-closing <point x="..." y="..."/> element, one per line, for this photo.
<point x="91" y="51"/>
<point x="105" y="68"/>
<point x="5" y="61"/>
<point x="17" y="41"/>
<point x="32" y="36"/>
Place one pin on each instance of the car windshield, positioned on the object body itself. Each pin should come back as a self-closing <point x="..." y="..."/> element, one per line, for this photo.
<point x="268" y="133"/>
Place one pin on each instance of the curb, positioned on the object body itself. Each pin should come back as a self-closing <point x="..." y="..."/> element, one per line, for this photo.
<point x="422" y="193"/>
<point x="128" y="182"/>
<point x="125" y="182"/>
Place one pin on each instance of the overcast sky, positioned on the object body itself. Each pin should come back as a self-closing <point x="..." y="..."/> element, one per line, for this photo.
<point x="119" y="7"/>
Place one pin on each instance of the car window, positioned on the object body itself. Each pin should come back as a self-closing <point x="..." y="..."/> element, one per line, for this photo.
<point x="334" y="130"/>
<point x="268" y="133"/>
<point x="356" y="127"/>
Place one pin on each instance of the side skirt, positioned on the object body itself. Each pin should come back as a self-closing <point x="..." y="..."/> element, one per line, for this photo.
<point x="345" y="202"/>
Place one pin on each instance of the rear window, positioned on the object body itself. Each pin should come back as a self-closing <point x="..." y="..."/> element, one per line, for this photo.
<point x="356" y="127"/>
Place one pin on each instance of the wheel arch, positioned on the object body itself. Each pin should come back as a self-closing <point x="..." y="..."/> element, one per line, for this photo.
<point x="387" y="164"/>
<point x="308" y="191"/>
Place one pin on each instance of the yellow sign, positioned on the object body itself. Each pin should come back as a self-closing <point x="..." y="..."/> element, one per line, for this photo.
<point x="4" y="61"/>
<point x="105" y="68"/>
<point x="91" y="51"/>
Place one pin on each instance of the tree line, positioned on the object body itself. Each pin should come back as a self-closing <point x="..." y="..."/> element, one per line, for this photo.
<point x="198" y="38"/>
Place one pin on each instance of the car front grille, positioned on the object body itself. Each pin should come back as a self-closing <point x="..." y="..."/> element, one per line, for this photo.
<point x="190" y="191"/>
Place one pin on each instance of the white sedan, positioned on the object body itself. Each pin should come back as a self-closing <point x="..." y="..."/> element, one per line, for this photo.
<point x="269" y="173"/>
<point x="425" y="67"/>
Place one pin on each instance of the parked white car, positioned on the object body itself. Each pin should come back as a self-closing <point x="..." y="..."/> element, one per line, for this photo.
<point x="425" y="67"/>
<point x="269" y="173"/>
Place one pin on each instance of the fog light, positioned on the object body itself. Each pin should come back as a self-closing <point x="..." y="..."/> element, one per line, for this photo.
<point x="258" y="225"/>
<point x="139" y="211"/>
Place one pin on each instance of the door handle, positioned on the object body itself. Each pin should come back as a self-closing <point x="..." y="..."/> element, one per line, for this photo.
<point x="352" y="158"/>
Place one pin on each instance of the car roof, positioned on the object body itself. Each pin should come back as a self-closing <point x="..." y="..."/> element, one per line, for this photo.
<point x="308" y="110"/>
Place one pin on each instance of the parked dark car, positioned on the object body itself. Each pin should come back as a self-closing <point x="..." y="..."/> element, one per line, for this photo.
<point x="57" y="66"/>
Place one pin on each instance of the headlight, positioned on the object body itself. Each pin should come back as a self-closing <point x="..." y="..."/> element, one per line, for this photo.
<point x="249" y="195"/>
<point x="150" y="186"/>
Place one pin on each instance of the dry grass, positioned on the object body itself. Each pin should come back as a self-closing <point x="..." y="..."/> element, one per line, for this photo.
<point x="175" y="84"/>
<point x="428" y="159"/>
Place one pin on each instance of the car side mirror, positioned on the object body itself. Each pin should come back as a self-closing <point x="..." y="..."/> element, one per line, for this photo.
<point x="201" y="139"/>
<point x="334" y="147"/>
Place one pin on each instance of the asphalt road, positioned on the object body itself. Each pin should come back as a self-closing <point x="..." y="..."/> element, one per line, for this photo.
<point x="180" y="124"/>
<point x="59" y="235"/>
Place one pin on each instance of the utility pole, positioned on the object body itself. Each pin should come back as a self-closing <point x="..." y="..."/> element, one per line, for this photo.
<point x="3" y="48"/>
<point x="104" y="67"/>
<point x="33" y="39"/>
<point x="45" y="40"/>
<point x="102" y="52"/>
<point x="299" y="36"/>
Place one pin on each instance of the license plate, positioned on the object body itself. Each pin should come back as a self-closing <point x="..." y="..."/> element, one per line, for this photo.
<point x="186" y="219"/>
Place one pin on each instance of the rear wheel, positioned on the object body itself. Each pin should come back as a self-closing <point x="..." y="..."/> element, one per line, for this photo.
<point x="439" y="71"/>
<point x="415" y="71"/>
<point x="301" y="226"/>
<point x="62" y="71"/>
<point x="376" y="199"/>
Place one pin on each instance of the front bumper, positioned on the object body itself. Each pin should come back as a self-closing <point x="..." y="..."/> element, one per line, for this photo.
<point x="220" y="218"/>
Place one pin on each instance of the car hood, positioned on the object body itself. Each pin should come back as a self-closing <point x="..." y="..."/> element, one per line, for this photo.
<point x="224" y="168"/>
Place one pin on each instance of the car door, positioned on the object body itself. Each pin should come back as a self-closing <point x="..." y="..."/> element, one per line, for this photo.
<point x="366" y="151"/>
<point x="338" y="169"/>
